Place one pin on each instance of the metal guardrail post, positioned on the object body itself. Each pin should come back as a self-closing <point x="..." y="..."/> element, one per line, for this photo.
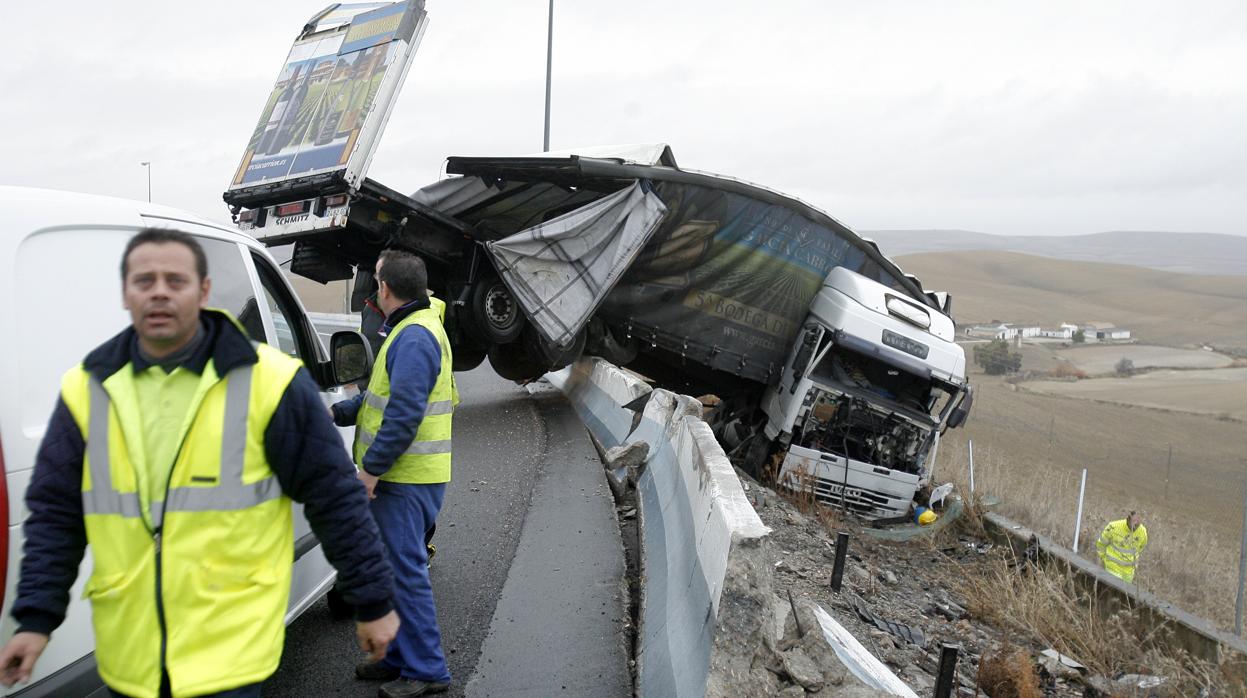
<point x="947" y="679"/>
<point x="842" y="550"/>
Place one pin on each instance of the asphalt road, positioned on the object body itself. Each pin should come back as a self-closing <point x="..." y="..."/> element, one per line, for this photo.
<point x="501" y="441"/>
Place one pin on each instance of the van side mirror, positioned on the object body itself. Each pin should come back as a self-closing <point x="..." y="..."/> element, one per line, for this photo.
<point x="351" y="357"/>
<point x="961" y="412"/>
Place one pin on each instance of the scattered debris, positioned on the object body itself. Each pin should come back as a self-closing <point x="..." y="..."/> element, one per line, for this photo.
<point x="1061" y="666"/>
<point x="624" y="464"/>
<point x="631" y="455"/>
<point x="905" y="632"/>
<point x="939" y="493"/>
<point x="857" y="658"/>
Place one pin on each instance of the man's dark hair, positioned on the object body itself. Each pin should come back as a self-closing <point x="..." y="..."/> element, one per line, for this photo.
<point x="162" y="236"/>
<point x="405" y="274"/>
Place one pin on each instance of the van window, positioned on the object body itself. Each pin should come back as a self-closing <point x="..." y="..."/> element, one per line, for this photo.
<point x="292" y="335"/>
<point x="231" y="284"/>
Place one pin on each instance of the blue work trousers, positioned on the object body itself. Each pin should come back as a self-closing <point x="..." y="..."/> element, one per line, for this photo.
<point x="404" y="513"/>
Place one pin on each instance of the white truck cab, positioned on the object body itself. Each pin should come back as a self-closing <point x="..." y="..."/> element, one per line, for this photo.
<point x="60" y="296"/>
<point x="869" y="386"/>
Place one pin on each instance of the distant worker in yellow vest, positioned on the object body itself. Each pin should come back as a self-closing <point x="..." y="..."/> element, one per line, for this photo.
<point x="1121" y="544"/>
<point x="175" y="450"/>
<point x="403" y="449"/>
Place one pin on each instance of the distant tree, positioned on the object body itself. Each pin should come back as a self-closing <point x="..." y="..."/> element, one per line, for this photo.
<point x="1079" y="337"/>
<point x="1125" y="367"/>
<point x="996" y="359"/>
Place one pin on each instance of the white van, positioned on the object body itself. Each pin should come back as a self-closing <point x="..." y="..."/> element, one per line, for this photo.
<point x="60" y="296"/>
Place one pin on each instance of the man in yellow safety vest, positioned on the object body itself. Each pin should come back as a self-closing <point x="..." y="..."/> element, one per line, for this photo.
<point x="403" y="449"/>
<point x="1120" y="545"/>
<point x="175" y="450"/>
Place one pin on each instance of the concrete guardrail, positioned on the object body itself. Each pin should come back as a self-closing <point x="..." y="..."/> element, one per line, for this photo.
<point x="693" y="513"/>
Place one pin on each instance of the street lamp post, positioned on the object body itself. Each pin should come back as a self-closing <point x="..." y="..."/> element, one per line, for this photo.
<point x="549" y="64"/>
<point x="148" y="165"/>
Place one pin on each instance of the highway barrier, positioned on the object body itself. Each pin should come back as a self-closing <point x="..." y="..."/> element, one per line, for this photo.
<point x="693" y="513"/>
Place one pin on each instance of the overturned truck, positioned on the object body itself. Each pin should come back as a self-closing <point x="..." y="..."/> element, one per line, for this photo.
<point x="832" y="366"/>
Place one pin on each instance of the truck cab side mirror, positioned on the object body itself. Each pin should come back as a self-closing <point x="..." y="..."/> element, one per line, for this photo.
<point x="961" y="412"/>
<point x="808" y="342"/>
<point x="351" y="357"/>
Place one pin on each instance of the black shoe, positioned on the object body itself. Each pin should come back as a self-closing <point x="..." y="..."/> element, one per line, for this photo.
<point x="408" y="688"/>
<point x="376" y="671"/>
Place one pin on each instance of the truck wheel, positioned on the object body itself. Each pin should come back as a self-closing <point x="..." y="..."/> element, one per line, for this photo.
<point x="496" y="314"/>
<point x="600" y="340"/>
<point x="756" y="452"/>
<point x="468" y="359"/>
<point x="553" y="356"/>
<point x="514" y="363"/>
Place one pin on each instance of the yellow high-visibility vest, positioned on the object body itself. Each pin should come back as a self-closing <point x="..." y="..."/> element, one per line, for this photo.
<point x="1119" y="548"/>
<point x="427" y="460"/>
<point x="201" y="579"/>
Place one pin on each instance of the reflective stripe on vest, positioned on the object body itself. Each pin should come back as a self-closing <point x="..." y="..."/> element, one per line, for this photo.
<point x="1125" y="552"/>
<point x="417" y="448"/>
<point x="1119" y="561"/>
<point x="434" y="408"/>
<point x="229" y="493"/>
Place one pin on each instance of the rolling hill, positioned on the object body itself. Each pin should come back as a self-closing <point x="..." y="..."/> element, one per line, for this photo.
<point x="1186" y="253"/>
<point x="1159" y="307"/>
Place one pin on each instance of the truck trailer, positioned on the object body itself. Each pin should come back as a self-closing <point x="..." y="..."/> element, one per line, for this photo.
<point x="834" y="368"/>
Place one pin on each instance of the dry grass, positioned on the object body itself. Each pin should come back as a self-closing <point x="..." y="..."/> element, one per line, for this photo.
<point x="1047" y="606"/>
<point x="1185" y="562"/>
<point x="1008" y="673"/>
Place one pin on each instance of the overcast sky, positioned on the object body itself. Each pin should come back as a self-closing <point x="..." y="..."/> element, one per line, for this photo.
<point x="1001" y="117"/>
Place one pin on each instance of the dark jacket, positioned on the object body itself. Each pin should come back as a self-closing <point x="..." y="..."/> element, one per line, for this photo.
<point x="303" y="449"/>
<point x="413" y="362"/>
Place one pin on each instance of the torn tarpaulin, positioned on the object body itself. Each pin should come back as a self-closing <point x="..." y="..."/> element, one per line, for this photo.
<point x="905" y="632"/>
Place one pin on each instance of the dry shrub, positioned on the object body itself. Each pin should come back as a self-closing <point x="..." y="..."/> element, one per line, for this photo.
<point x="1067" y="370"/>
<point x="1047" y="605"/>
<point x="797" y="487"/>
<point x="1008" y="674"/>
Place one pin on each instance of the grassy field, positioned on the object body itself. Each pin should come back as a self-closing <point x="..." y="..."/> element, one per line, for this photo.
<point x="1218" y="392"/>
<point x="1158" y="307"/>
<point x="1103" y="358"/>
<point x="1186" y="472"/>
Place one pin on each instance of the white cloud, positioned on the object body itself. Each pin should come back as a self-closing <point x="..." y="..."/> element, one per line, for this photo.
<point x="1012" y="117"/>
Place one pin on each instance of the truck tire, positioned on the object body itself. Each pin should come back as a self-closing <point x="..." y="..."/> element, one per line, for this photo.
<point x="468" y="359"/>
<point x="756" y="452"/>
<point x="553" y="356"/>
<point x="514" y="363"/>
<point x="496" y="315"/>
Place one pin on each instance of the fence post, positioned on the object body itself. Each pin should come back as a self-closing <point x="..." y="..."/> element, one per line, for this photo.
<point x="1242" y="573"/>
<point x="842" y="550"/>
<point x="971" y="442"/>
<point x="1168" y="471"/>
<point x="1082" y="489"/>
